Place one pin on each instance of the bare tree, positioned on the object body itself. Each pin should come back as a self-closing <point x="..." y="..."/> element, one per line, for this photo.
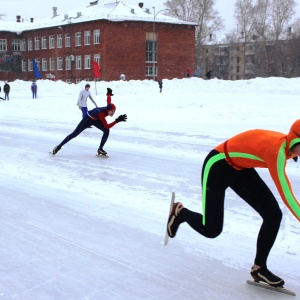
<point x="261" y="18"/>
<point x="281" y="14"/>
<point x="244" y="15"/>
<point x="201" y="12"/>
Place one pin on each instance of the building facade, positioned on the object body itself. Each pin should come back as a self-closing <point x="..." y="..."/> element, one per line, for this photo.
<point x="140" y="48"/>
<point x="252" y="59"/>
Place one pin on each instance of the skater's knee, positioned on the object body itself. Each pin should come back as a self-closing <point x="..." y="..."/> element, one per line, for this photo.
<point x="211" y="233"/>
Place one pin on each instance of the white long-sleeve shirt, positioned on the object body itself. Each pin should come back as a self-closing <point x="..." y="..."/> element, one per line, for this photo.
<point x="82" y="99"/>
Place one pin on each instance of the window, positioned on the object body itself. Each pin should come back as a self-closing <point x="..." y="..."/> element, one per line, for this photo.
<point x="149" y="71"/>
<point x="69" y="81"/>
<point x="68" y="63"/>
<point x="238" y="69"/>
<point x="44" y="64"/>
<point x="151" y="51"/>
<point x="97" y="58"/>
<point x="23" y="65"/>
<point x="151" y="47"/>
<point x="87" y="61"/>
<point x="237" y="60"/>
<point x="78" y="62"/>
<point x="51" y="42"/>
<point x="68" y="40"/>
<point x="59" y="41"/>
<point x="97" y="36"/>
<point x="30" y="44"/>
<point x="78" y="80"/>
<point x="87" y="37"/>
<point x="3" y="45"/>
<point x="30" y="65"/>
<point x="44" y="42"/>
<point x="59" y="63"/>
<point x="16" y="45"/>
<point x="52" y="63"/>
<point x="78" y="39"/>
<point x="23" y="45"/>
<point x="36" y="43"/>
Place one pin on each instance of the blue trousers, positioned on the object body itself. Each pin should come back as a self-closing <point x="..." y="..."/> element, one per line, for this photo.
<point x="85" y="123"/>
<point x="84" y="111"/>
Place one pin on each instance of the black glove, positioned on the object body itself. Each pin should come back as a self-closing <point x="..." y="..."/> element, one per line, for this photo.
<point x="121" y="118"/>
<point x="109" y="92"/>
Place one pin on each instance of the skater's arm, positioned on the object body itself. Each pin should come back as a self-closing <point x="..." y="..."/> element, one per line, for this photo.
<point x="108" y="99"/>
<point x="104" y="122"/>
<point x="278" y="174"/>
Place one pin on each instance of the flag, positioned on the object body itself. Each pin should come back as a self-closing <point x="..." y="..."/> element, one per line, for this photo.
<point x="36" y="70"/>
<point x="96" y="69"/>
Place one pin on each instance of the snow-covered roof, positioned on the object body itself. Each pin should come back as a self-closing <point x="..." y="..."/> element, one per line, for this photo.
<point x="100" y="10"/>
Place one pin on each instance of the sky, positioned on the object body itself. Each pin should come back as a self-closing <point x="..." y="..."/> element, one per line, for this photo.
<point x="75" y="226"/>
<point x="38" y="9"/>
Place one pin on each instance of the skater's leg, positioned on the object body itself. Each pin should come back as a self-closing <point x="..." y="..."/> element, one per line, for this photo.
<point x="216" y="177"/>
<point x="256" y="193"/>
<point x="84" y="123"/>
<point x="105" y="135"/>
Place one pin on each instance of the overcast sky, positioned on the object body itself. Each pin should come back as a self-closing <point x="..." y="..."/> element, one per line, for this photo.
<point x="39" y="9"/>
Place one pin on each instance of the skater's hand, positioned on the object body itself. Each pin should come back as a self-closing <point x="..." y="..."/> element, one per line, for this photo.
<point x="121" y="118"/>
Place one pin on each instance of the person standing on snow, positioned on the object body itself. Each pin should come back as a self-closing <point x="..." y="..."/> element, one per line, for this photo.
<point x="33" y="89"/>
<point x="6" y="90"/>
<point x="95" y="117"/>
<point x="160" y="84"/>
<point x="82" y="99"/>
<point x="232" y="164"/>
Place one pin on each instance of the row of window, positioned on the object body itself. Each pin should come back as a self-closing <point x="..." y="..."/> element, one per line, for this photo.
<point x="57" y="64"/>
<point x="51" y="42"/>
<point x="60" y="63"/>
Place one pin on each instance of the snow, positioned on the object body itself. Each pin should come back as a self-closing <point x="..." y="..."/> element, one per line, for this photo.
<point x="115" y="12"/>
<point x="75" y="226"/>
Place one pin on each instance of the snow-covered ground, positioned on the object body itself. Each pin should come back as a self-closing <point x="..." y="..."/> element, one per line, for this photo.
<point x="76" y="226"/>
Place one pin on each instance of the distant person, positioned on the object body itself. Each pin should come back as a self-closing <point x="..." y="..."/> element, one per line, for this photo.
<point x="122" y="77"/>
<point x="188" y="72"/>
<point x="82" y="99"/>
<point x="6" y="90"/>
<point x="160" y="85"/>
<point x="232" y="165"/>
<point x="33" y="89"/>
<point x="95" y="117"/>
<point x="208" y="75"/>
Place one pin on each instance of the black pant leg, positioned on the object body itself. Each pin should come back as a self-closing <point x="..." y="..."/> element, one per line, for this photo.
<point x="105" y="131"/>
<point x="84" y="124"/>
<point x="256" y="193"/>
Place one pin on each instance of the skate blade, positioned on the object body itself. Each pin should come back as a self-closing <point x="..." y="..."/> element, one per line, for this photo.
<point x="271" y="288"/>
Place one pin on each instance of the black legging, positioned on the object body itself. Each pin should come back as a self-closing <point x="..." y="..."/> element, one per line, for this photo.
<point x="251" y="188"/>
<point x="84" y="124"/>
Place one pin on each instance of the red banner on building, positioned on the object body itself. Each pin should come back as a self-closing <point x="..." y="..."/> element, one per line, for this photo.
<point x="96" y="69"/>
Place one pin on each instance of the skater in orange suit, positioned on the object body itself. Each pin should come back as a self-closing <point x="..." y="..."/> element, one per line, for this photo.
<point x="232" y="164"/>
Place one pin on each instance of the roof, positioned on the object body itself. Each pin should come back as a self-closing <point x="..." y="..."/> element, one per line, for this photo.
<point x="97" y="10"/>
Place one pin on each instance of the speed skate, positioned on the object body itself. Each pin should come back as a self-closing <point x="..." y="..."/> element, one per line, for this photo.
<point x="271" y="288"/>
<point x="171" y="206"/>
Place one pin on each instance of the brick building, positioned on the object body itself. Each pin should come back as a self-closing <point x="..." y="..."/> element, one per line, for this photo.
<point x="122" y="39"/>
